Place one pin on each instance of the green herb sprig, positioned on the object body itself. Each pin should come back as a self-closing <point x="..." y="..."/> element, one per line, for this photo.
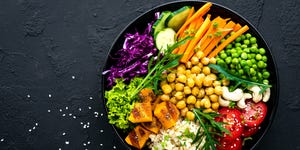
<point x="162" y="63"/>
<point x="238" y="80"/>
<point x="209" y="129"/>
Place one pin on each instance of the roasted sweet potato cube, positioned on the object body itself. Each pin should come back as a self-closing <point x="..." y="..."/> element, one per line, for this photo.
<point x="167" y="113"/>
<point x="141" y="112"/>
<point x="147" y="95"/>
<point x="152" y="126"/>
<point x="138" y="137"/>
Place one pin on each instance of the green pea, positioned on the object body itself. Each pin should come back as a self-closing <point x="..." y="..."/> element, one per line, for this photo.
<point x="265" y="65"/>
<point x="228" y="60"/>
<point x="232" y="66"/>
<point x="249" y="56"/>
<point x="258" y="57"/>
<point x="243" y="37"/>
<point x="241" y="72"/>
<point x="229" y="46"/>
<point x="222" y="40"/>
<point x="235" y="55"/>
<point x="243" y="63"/>
<point x="254" y="45"/>
<point x="247" y="42"/>
<point x="223" y="55"/>
<point x="238" y="44"/>
<point x="248" y="35"/>
<point x="259" y="76"/>
<point x="249" y="63"/>
<point x="266" y="74"/>
<point x="252" y="55"/>
<point x="253" y="49"/>
<point x="266" y="81"/>
<point x="231" y="33"/>
<point x="247" y="50"/>
<point x="244" y="55"/>
<point x="262" y="51"/>
<point x="253" y="61"/>
<point x="244" y="46"/>
<point x="254" y="78"/>
<point x="260" y="64"/>
<point x="238" y="39"/>
<point x="252" y="40"/>
<point x="235" y="61"/>
<point x="254" y="66"/>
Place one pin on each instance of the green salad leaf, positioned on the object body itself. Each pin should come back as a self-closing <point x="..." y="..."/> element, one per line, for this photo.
<point x="120" y="102"/>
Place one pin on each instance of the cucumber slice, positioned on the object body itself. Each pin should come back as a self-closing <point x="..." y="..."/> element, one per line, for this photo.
<point x="165" y="38"/>
<point x="177" y="18"/>
<point x="159" y="24"/>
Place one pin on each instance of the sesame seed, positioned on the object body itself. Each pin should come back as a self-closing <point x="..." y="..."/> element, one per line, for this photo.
<point x="88" y="142"/>
<point x="33" y="128"/>
<point x="60" y="110"/>
<point x="49" y="110"/>
<point x="28" y="96"/>
<point x="79" y="109"/>
<point x="101" y="144"/>
<point x="50" y="95"/>
<point x="88" y="123"/>
<point x="84" y="144"/>
<point x="2" y="140"/>
<point x="73" y="77"/>
<point x="67" y="142"/>
<point x="63" y="115"/>
<point x="81" y="122"/>
<point x="59" y="148"/>
<point x="74" y="117"/>
<point x="114" y="147"/>
<point x="64" y="133"/>
<point x="101" y="131"/>
<point x="67" y="108"/>
<point x="29" y="130"/>
<point x="36" y="124"/>
<point x="91" y="98"/>
<point x="70" y="114"/>
<point x="101" y="114"/>
<point x="90" y="107"/>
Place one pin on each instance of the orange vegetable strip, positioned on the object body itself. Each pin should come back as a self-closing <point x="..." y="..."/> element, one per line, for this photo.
<point x="237" y="27"/>
<point x="228" y="28"/>
<point x="182" y="48"/>
<point x="228" y="40"/>
<point x="209" y="36"/>
<point x="180" y="32"/>
<point x="199" y="13"/>
<point x="199" y="34"/>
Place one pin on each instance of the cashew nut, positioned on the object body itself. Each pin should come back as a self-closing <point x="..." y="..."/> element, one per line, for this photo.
<point x="266" y="95"/>
<point x="223" y="103"/>
<point x="241" y="103"/>
<point x="236" y="95"/>
<point x="256" y="96"/>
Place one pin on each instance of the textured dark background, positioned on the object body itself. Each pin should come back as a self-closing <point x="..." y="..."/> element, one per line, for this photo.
<point x="52" y="52"/>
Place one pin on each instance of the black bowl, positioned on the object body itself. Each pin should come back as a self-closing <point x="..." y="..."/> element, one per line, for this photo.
<point x="140" y="23"/>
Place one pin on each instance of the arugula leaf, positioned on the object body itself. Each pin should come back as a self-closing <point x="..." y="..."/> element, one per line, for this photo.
<point x="238" y="80"/>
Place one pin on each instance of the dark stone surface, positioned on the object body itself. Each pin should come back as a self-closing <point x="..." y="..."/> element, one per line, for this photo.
<point x="59" y="47"/>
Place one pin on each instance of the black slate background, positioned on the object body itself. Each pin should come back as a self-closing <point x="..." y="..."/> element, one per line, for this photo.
<point x="59" y="47"/>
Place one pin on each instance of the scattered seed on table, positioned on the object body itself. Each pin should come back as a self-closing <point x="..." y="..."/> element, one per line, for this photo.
<point x="73" y="77"/>
<point x="28" y="96"/>
<point x="67" y="142"/>
<point x="49" y="95"/>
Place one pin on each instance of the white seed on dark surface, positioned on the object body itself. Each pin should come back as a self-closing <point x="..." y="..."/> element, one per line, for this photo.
<point x="67" y="142"/>
<point x="101" y="144"/>
<point x="49" y="95"/>
<point x="2" y="140"/>
<point x="73" y="77"/>
<point x="49" y="110"/>
<point x="91" y="98"/>
<point x="28" y="96"/>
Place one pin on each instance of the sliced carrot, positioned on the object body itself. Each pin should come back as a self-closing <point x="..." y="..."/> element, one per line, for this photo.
<point x="237" y="27"/>
<point x="227" y="28"/>
<point x="199" y="34"/>
<point x="180" y="32"/>
<point x="199" y="13"/>
<point x="210" y="34"/>
<point x="183" y="47"/>
<point x="228" y="40"/>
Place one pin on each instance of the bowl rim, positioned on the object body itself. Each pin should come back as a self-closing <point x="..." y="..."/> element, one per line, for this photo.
<point x="275" y="106"/>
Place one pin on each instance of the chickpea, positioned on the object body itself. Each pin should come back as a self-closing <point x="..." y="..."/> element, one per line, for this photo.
<point x="188" y="64"/>
<point x="200" y="65"/>
<point x="195" y="60"/>
<point x="172" y="85"/>
<point x="198" y="104"/>
<point x="191" y="99"/>
<point x="181" y="78"/>
<point x="199" y="80"/>
<point x="163" y="82"/>
<point x="201" y="93"/>
<point x="171" y="77"/>
<point x="195" y="91"/>
<point x="181" y="67"/>
<point x="207" y="103"/>
<point x="181" y="104"/>
<point x="214" y="97"/>
<point x="173" y="100"/>
<point x="207" y="81"/>
<point x="206" y="70"/>
<point x="179" y="95"/>
<point x="216" y="83"/>
<point x="190" y="82"/>
<point x="188" y="72"/>
<point x="166" y="88"/>
<point x="218" y="90"/>
<point x="225" y="82"/>
<point x="205" y="61"/>
<point x="196" y="69"/>
<point x="190" y="115"/>
<point x="184" y="111"/>
<point x="212" y="60"/>
<point x="215" y="106"/>
<point x="165" y="97"/>
<point x="199" y="54"/>
<point x="208" y="110"/>
<point x="209" y="91"/>
<point x="179" y="86"/>
<point x="187" y="90"/>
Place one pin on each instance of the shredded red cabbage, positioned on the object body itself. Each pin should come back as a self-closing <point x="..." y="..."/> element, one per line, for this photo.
<point x="132" y="60"/>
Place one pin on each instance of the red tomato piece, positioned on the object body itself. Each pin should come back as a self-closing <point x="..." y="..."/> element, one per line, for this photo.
<point x="232" y="122"/>
<point x="254" y="113"/>
<point x="249" y="131"/>
<point x="235" y="144"/>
